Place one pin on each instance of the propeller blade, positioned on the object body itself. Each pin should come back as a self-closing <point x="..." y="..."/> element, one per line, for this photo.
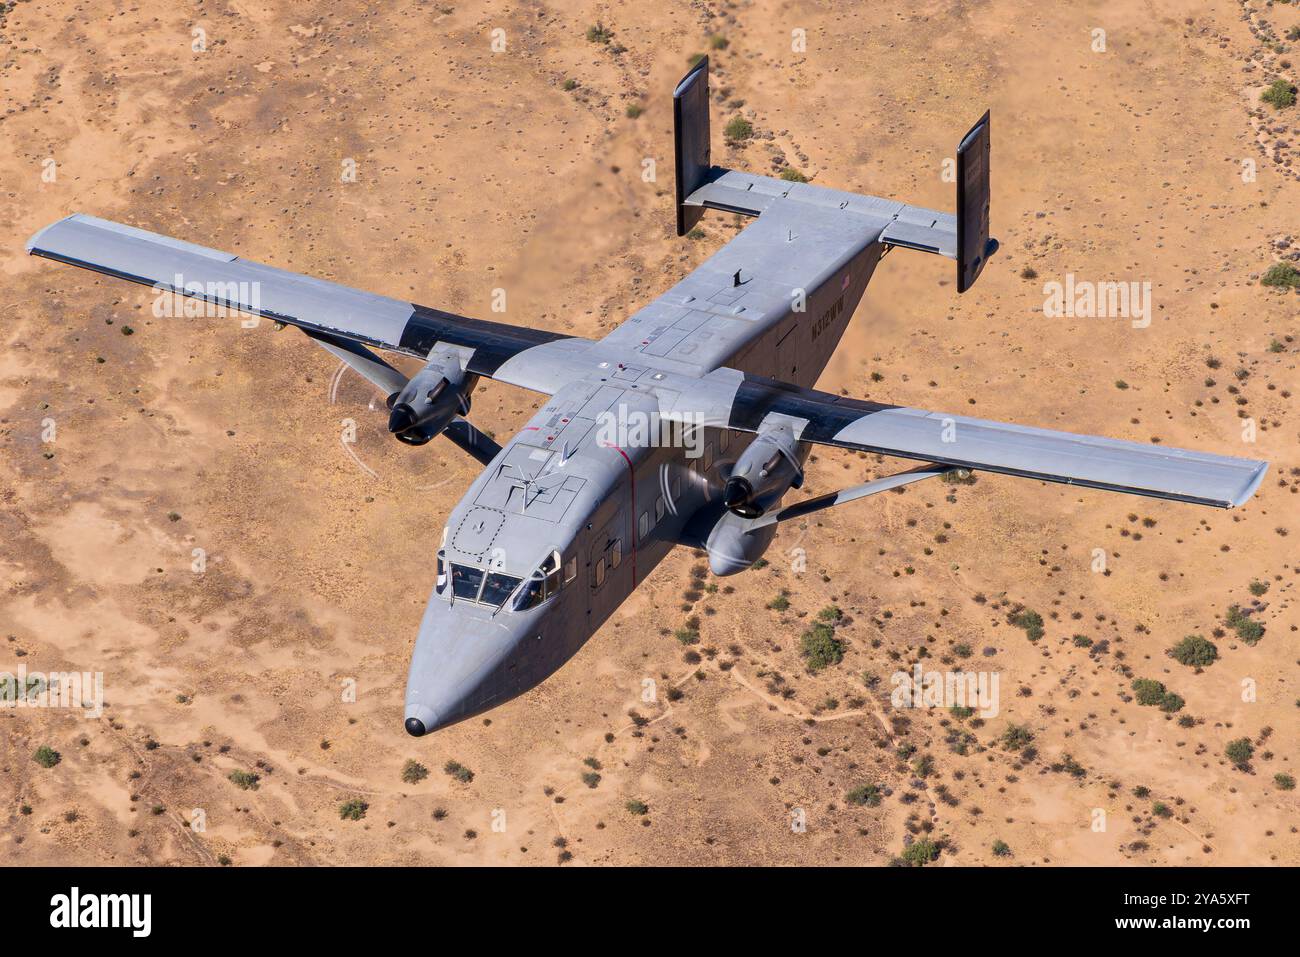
<point x="366" y="363"/>
<point x="476" y="443"/>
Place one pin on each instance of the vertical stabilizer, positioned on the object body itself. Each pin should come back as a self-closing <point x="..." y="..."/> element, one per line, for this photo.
<point x="691" y="141"/>
<point x="973" y="244"/>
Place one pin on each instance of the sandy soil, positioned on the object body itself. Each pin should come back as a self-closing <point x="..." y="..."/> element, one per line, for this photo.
<point x="478" y="170"/>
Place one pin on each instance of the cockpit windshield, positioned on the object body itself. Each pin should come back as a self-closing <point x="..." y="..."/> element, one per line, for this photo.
<point x="470" y="583"/>
<point x="465" y="581"/>
<point x="498" y="588"/>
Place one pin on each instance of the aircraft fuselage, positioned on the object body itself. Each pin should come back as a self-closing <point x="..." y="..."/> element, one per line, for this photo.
<point x="587" y="499"/>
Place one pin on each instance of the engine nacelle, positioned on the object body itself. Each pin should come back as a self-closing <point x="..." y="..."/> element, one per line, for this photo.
<point x="733" y="544"/>
<point x="430" y="400"/>
<point x="770" y="467"/>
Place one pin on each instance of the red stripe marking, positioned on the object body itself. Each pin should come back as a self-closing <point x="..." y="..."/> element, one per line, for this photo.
<point x="632" y="522"/>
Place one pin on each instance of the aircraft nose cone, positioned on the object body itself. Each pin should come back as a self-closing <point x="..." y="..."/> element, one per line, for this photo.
<point x="420" y="720"/>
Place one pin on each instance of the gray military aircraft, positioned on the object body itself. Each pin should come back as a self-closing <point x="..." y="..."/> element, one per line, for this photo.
<point x="687" y="425"/>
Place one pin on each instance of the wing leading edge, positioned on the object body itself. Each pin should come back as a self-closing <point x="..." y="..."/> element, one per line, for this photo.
<point x="983" y="445"/>
<point x="315" y="305"/>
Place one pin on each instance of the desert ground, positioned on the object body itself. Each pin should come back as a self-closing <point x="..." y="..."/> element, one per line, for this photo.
<point x="180" y="513"/>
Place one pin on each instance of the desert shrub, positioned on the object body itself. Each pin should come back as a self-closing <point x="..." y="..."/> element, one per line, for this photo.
<point x="1161" y="809"/>
<point x="1282" y="276"/>
<point x="1194" y="651"/>
<point x="791" y="175"/>
<point x="590" y="778"/>
<point x="244" y="780"/>
<point x="1258" y="588"/>
<point x="413" y="772"/>
<point x="46" y="756"/>
<point x="633" y="110"/>
<point x="820" y="647"/>
<point x="599" y="33"/>
<point x="1284" y="781"/>
<point x="637" y="807"/>
<point x="1016" y="736"/>
<point x="1031" y="621"/>
<point x="458" y="771"/>
<point x="922" y="852"/>
<point x="1280" y="94"/>
<point x="1001" y="849"/>
<point x="353" y="810"/>
<point x="739" y="129"/>
<point x="1172" y="702"/>
<point x="831" y="613"/>
<point x="1240" y="751"/>
<point x="865" y="795"/>
<point x="779" y="603"/>
<point x="1148" y="691"/>
<point x="1247" y="628"/>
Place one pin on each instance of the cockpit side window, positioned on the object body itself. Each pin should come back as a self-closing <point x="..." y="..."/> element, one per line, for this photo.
<point x="542" y="584"/>
<point x="442" y="573"/>
<point x="551" y="570"/>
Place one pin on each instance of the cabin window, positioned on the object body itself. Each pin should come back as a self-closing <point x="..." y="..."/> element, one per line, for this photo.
<point x="724" y="439"/>
<point x="598" y="574"/>
<point x="616" y="553"/>
<point x="643" y="526"/>
<point x="570" y="570"/>
<point x="708" y="456"/>
<point x="659" y="509"/>
<point x="677" y="487"/>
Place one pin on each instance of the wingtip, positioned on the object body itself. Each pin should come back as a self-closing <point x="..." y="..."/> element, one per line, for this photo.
<point x="33" y="244"/>
<point x="1251" y="487"/>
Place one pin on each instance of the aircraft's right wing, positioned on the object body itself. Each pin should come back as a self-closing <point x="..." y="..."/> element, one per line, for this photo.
<point x="746" y="402"/>
<point x="331" y="313"/>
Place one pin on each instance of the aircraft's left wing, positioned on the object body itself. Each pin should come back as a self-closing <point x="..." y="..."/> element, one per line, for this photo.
<point x="749" y="403"/>
<point x="327" y="311"/>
